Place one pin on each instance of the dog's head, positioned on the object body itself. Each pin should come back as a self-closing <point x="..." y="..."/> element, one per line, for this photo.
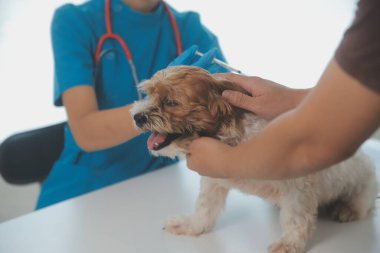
<point x="183" y="103"/>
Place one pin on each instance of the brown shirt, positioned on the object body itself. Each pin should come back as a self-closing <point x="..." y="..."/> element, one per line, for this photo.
<point x="359" y="51"/>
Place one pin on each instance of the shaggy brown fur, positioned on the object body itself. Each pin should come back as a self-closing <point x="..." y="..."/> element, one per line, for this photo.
<point x="184" y="103"/>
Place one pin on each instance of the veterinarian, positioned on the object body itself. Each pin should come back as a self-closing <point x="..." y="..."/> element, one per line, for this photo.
<point x="102" y="49"/>
<point x="321" y="127"/>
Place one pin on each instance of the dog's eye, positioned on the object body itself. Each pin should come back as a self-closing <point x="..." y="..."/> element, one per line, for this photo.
<point x="169" y="102"/>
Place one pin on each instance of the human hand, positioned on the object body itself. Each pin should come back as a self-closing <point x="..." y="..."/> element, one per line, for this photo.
<point x="268" y="99"/>
<point x="190" y="58"/>
<point x="209" y="157"/>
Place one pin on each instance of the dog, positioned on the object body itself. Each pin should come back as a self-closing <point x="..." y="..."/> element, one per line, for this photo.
<point x="184" y="103"/>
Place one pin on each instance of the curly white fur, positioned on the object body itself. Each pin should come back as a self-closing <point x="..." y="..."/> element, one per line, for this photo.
<point x="347" y="190"/>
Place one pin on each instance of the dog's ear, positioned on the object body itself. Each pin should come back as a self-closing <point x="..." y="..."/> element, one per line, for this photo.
<point x="143" y="86"/>
<point x="218" y="107"/>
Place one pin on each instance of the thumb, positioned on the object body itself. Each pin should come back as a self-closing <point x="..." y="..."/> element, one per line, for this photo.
<point x="239" y="99"/>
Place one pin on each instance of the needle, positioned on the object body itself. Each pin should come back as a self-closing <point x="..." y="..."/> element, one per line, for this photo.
<point x="221" y="63"/>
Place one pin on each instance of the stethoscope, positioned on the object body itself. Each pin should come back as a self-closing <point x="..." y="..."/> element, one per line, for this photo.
<point x="111" y="35"/>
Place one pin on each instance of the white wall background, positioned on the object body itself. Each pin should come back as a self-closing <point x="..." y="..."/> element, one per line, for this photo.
<point x="288" y="41"/>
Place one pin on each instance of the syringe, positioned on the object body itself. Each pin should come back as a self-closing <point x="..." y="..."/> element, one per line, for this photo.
<point x="221" y="63"/>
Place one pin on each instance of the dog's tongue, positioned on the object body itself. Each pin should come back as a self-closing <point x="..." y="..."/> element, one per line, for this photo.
<point x="155" y="139"/>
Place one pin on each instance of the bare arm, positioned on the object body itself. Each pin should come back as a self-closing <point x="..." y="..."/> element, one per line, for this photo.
<point x="336" y="117"/>
<point x="94" y="129"/>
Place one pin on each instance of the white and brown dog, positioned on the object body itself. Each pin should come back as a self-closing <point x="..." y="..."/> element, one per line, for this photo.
<point x="184" y="103"/>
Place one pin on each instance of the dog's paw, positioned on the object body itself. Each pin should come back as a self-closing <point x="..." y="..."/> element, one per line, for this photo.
<point x="187" y="225"/>
<point x="283" y="246"/>
<point x="345" y="213"/>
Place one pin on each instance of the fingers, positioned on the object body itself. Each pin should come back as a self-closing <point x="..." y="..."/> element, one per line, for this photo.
<point x="186" y="58"/>
<point x="239" y="99"/>
<point x="189" y="55"/>
<point x="206" y="60"/>
<point x="245" y="82"/>
<point x="233" y="77"/>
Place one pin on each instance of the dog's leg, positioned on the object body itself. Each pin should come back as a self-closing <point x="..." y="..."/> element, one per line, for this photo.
<point x="210" y="203"/>
<point x="298" y="218"/>
<point x="357" y="203"/>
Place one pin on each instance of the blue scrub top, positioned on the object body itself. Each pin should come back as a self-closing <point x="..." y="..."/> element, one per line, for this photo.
<point x="75" y="31"/>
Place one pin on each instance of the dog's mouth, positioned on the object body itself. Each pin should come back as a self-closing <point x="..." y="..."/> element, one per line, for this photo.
<point x="157" y="141"/>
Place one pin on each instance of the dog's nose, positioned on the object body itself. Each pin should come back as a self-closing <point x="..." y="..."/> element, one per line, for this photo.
<point x="140" y="119"/>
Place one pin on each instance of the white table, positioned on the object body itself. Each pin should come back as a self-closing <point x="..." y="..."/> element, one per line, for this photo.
<point x="128" y="217"/>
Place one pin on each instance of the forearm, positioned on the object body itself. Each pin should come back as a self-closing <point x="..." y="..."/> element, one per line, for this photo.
<point x="299" y="95"/>
<point x="291" y="99"/>
<point x="283" y="150"/>
<point x="103" y="129"/>
<point x="95" y="129"/>
<point x="328" y="127"/>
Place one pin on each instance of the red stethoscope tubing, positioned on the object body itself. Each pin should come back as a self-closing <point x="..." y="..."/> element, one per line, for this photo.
<point x="110" y="35"/>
